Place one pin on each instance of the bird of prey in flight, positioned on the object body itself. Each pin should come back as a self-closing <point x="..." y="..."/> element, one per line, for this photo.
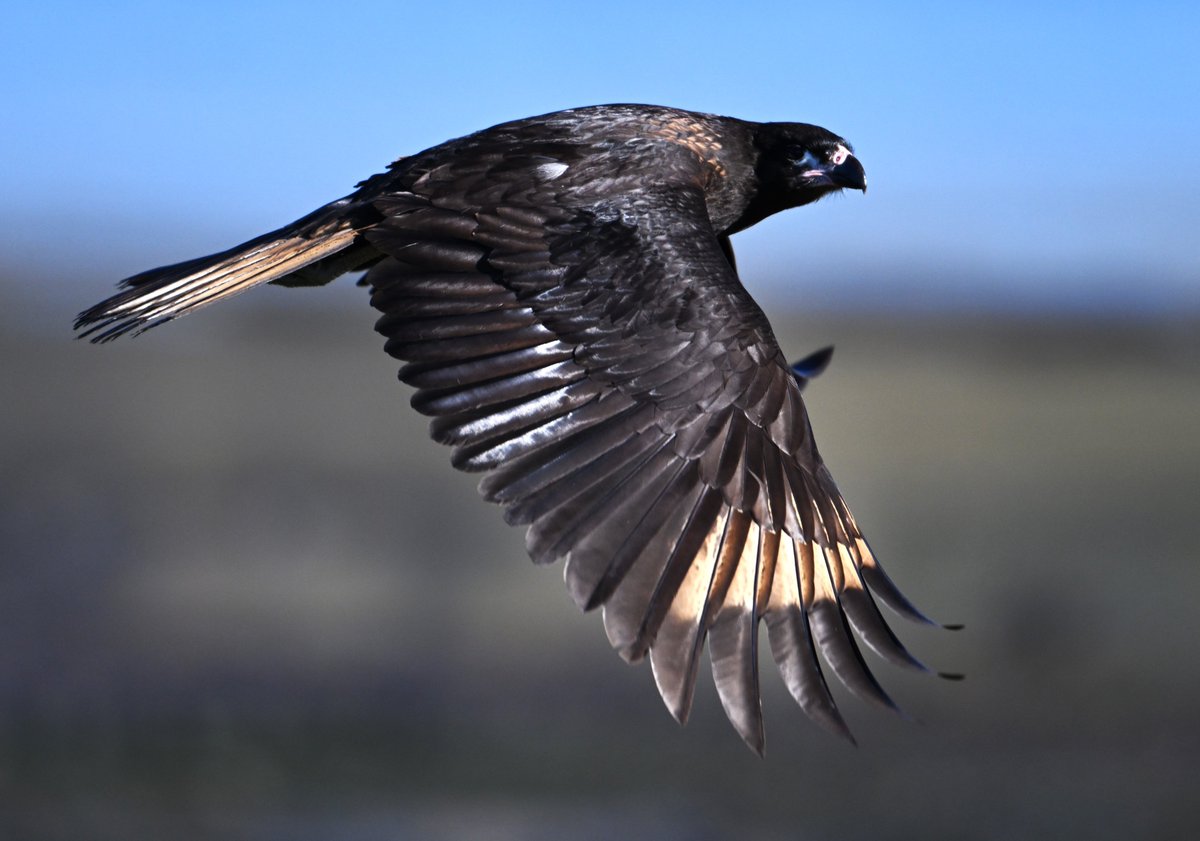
<point x="563" y="294"/>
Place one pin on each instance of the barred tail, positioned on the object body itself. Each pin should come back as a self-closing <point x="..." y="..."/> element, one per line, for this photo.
<point x="310" y="251"/>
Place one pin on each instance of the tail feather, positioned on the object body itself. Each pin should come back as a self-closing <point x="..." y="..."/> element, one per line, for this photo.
<point x="326" y="243"/>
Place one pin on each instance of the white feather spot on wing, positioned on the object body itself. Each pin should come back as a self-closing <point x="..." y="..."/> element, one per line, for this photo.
<point x="550" y="171"/>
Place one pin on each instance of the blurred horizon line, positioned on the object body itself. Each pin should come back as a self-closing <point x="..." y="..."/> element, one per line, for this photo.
<point x="906" y="290"/>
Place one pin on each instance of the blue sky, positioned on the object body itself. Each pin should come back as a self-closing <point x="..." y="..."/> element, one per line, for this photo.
<point x="1019" y="156"/>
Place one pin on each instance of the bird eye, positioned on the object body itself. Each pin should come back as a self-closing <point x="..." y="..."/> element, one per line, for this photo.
<point x="808" y="160"/>
<point x="840" y="153"/>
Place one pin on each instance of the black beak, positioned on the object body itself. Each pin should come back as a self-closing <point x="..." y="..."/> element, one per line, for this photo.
<point x="849" y="174"/>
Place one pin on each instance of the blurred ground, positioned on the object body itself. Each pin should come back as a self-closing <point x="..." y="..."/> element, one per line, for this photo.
<point x="243" y="596"/>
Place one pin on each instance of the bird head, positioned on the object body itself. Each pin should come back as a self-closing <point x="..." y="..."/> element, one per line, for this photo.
<point x="808" y="162"/>
<point x="828" y="167"/>
<point x="797" y="164"/>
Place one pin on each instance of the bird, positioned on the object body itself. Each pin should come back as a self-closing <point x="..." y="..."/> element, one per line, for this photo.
<point x="563" y="295"/>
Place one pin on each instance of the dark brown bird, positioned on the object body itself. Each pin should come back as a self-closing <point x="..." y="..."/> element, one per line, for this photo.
<point x="562" y="290"/>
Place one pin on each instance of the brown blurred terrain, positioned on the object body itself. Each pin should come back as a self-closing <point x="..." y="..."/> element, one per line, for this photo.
<point x="242" y="595"/>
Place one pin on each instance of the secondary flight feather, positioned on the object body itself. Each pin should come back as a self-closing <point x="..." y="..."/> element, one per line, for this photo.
<point x="563" y="293"/>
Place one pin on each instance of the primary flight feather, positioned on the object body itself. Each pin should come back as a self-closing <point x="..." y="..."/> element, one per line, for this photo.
<point x="563" y="292"/>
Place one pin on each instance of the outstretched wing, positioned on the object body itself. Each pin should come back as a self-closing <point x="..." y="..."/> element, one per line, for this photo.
<point x="596" y="356"/>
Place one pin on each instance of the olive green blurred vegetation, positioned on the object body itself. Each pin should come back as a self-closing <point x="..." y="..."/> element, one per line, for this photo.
<point x="242" y="595"/>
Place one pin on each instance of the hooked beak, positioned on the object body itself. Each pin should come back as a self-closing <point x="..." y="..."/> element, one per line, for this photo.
<point x="843" y="171"/>
<point x="849" y="174"/>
